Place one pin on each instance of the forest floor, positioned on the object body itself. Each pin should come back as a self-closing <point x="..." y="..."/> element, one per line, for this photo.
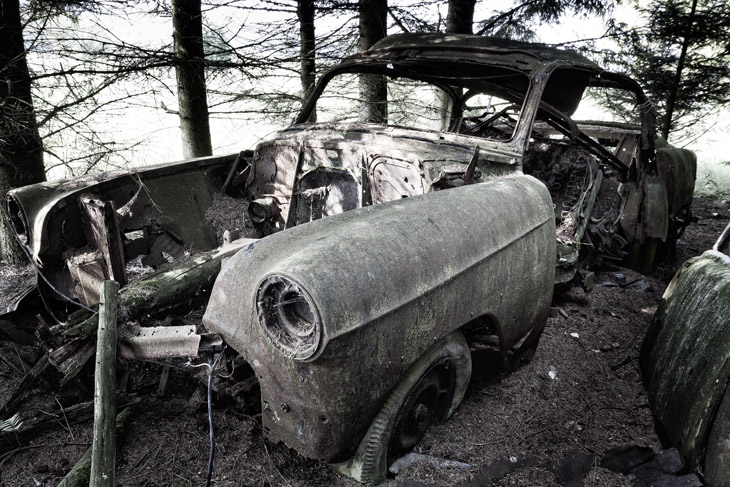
<point x="555" y="421"/>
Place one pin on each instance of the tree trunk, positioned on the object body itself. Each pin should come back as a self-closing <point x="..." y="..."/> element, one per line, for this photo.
<point x="21" y="150"/>
<point x="373" y="87"/>
<point x="10" y="251"/>
<point x="672" y="98"/>
<point x="460" y="18"/>
<point x="305" y="12"/>
<point x="187" y="23"/>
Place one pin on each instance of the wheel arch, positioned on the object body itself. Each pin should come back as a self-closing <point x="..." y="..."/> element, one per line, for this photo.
<point x="369" y="464"/>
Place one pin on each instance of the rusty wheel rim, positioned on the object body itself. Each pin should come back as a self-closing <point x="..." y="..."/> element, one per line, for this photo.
<point x="427" y="404"/>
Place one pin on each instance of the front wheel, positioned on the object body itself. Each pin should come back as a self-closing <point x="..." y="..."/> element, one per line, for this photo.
<point x="429" y="394"/>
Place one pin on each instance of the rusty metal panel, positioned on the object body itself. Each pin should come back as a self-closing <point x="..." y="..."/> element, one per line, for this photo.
<point x="655" y="214"/>
<point x="685" y="358"/>
<point x="678" y="169"/>
<point x="87" y="272"/>
<point x="630" y="211"/>
<point x="717" y="454"/>
<point x="42" y="209"/>
<point x="53" y="223"/>
<point x="385" y="282"/>
<point x="160" y="342"/>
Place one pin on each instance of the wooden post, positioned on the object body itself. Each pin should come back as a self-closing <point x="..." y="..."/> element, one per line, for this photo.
<point x="103" y="448"/>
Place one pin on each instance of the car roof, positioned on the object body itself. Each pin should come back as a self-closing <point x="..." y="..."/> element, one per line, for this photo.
<point x="481" y="59"/>
<point x="480" y="46"/>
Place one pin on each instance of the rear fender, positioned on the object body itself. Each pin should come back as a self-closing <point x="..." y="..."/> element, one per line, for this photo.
<point x="685" y="358"/>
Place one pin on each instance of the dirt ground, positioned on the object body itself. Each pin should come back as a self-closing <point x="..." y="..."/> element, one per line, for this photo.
<point x="555" y="421"/>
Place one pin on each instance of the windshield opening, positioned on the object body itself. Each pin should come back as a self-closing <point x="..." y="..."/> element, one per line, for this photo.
<point x="484" y="102"/>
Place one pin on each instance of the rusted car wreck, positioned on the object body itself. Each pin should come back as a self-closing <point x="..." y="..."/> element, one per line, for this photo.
<point x="376" y="253"/>
<point x="685" y="361"/>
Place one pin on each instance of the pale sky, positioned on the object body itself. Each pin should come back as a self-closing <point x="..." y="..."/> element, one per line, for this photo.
<point x="159" y="130"/>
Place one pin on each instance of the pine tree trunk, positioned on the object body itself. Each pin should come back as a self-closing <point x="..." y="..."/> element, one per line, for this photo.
<point x="373" y="87"/>
<point x="21" y="150"/>
<point x="672" y="98"/>
<point x="187" y="23"/>
<point x="460" y="18"/>
<point x="305" y="12"/>
<point x="10" y="251"/>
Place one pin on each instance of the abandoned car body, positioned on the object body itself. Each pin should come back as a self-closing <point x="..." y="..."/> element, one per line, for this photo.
<point x="352" y="302"/>
<point x="685" y="361"/>
<point x="360" y="278"/>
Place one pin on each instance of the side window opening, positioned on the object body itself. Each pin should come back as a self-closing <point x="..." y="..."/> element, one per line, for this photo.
<point x="611" y="117"/>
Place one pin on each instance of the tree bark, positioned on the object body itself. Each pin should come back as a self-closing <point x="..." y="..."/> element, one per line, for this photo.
<point x="460" y="17"/>
<point x="373" y="87"/>
<point x="187" y="23"/>
<point x="307" y="50"/>
<point x="21" y="150"/>
<point x="10" y="251"/>
<point x="459" y="20"/>
<point x="672" y="99"/>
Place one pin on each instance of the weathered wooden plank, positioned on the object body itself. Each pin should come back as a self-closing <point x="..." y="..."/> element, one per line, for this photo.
<point x="104" y="224"/>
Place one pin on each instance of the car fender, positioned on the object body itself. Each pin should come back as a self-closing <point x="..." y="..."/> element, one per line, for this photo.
<point x="685" y="359"/>
<point x="387" y="282"/>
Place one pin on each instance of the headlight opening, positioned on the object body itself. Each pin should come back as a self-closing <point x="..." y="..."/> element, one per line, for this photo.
<point x="289" y="317"/>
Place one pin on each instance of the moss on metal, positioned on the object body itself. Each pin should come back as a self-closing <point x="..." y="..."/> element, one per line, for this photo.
<point x="388" y="281"/>
<point x="686" y="354"/>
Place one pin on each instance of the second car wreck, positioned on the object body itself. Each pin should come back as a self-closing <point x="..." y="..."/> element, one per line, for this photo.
<point x="376" y="253"/>
<point x="685" y="362"/>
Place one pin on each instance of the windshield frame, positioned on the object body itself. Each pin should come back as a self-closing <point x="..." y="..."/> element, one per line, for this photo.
<point x="386" y="68"/>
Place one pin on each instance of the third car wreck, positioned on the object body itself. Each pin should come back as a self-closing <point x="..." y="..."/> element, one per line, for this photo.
<point x="376" y="252"/>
